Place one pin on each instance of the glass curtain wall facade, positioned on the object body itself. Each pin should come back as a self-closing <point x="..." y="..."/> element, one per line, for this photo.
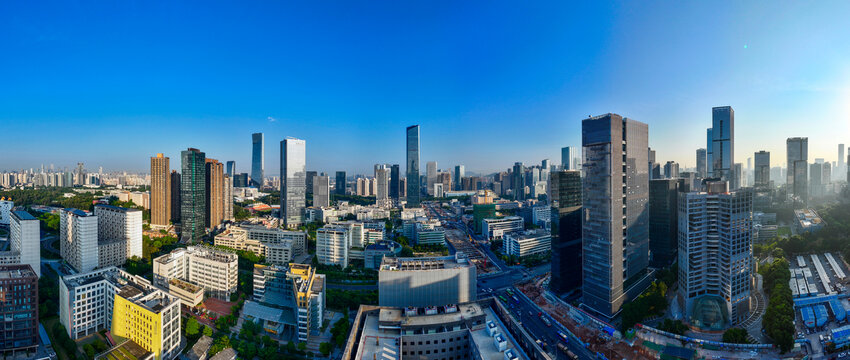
<point x="192" y="195"/>
<point x="257" y="160"/>
<point x="723" y="142"/>
<point x="413" y="188"/>
<point x="293" y="181"/>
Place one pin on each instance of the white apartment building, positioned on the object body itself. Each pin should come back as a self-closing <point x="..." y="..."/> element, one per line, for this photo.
<point x="497" y="227"/>
<point x="332" y="244"/>
<point x="119" y="234"/>
<point x="78" y="239"/>
<point x="715" y="256"/>
<point x="212" y="269"/>
<point x="356" y="232"/>
<point x="87" y="302"/>
<point x="528" y="242"/>
<point x="25" y="239"/>
<point x="5" y="211"/>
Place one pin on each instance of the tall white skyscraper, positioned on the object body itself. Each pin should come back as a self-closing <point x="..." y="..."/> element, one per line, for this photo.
<point x="431" y="176"/>
<point x="715" y="255"/>
<point x="25" y="239"/>
<point x="382" y="182"/>
<point x="615" y="224"/>
<point x="78" y="239"/>
<point x="293" y="181"/>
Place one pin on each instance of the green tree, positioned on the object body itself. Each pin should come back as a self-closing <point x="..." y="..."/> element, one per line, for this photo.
<point x="736" y="336"/>
<point x="89" y="350"/>
<point x="208" y="331"/>
<point x="192" y="327"/>
<point x="302" y="346"/>
<point x="325" y="348"/>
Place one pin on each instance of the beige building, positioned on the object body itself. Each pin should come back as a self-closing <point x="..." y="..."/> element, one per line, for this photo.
<point x="276" y="245"/>
<point x="160" y="191"/>
<point x="214" y="183"/>
<point x="212" y="269"/>
<point x="188" y="293"/>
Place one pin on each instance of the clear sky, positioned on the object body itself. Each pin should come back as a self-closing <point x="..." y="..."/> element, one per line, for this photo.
<point x="111" y="83"/>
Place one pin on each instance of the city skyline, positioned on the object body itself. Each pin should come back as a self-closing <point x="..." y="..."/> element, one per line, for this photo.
<point x="529" y="74"/>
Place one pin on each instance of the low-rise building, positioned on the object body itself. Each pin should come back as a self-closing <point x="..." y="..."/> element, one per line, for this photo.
<point x="528" y="242"/>
<point x="807" y="220"/>
<point x="495" y="228"/>
<point x="189" y="294"/>
<point x="292" y="296"/>
<point x="129" y="306"/>
<point x="375" y="253"/>
<point x="278" y="246"/>
<point x="427" y="281"/>
<point x="215" y="270"/>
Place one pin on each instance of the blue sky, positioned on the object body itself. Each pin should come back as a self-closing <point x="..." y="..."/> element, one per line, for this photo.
<point x="492" y="82"/>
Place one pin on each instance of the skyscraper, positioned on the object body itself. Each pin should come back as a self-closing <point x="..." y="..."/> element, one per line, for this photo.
<point x="761" y="175"/>
<point x="382" y="194"/>
<point x="701" y="161"/>
<point x="413" y="188"/>
<point x="321" y="191"/>
<point x="25" y="239"/>
<point x="460" y="173"/>
<point x="431" y="176"/>
<point x="81" y="175"/>
<point x="193" y="195"/>
<point x="544" y="165"/>
<point x="228" y="198"/>
<point x="671" y="170"/>
<point x="175" y="196"/>
<point x="565" y="189"/>
<point x="214" y="199"/>
<point x="615" y="229"/>
<point x="715" y="242"/>
<point x="723" y="142"/>
<point x="309" y="181"/>
<point x="231" y="168"/>
<point x="339" y="188"/>
<point x="663" y="221"/>
<point x="652" y="165"/>
<point x="709" y="154"/>
<point x="568" y="155"/>
<point x="394" y="182"/>
<point x="840" y="170"/>
<point x="258" y="160"/>
<point x="797" y="175"/>
<point x="518" y="181"/>
<point x="160" y="190"/>
<point x="78" y="239"/>
<point x="293" y="177"/>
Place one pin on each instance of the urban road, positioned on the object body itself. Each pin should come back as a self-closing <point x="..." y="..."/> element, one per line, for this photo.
<point x="522" y="308"/>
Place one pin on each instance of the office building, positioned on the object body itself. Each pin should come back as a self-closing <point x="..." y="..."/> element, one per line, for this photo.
<point x="5" y="210"/>
<point x="126" y="305"/>
<point x="568" y="158"/>
<point x="709" y="155"/>
<point x="339" y="186"/>
<point x="228" y="198"/>
<point x="527" y="243"/>
<point x="797" y="174"/>
<point x="518" y="181"/>
<point x="456" y="331"/>
<point x="394" y="183"/>
<point x="240" y="180"/>
<point x="723" y="142"/>
<point x="493" y="229"/>
<point x="193" y="194"/>
<point x="293" y="161"/>
<point x="215" y="270"/>
<point x="565" y="193"/>
<point x="615" y="225"/>
<point x="460" y="173"/>
<point x="119" y="235"/>
<point x="671" y="170"/>
<point x="78" y="239"/>
<point x="275" y="289"/>
<point x="663" y="221"/>
<point x="737" y="180"/>
<point x="175" y="189"/>
<point x="321" y="191"/>
<point x="481" y="212"/>
<point x="761" y="175"/>
<point x="214" y="194"/>
<point x="701" y="161"/>
<point x="230" y="169"/>
<point x="426" y="281"/>
<point x="412" y="178"/>
<point x="332" y="245"/>
<point x="715" y="242"/>
<point x="160" y="191"/>
<point x="431" y="176"/>
<point x="19" y="289"/>
<point x="258" y="156"/>
<point x="309" y="181"/>
<point x="840" y="169"/>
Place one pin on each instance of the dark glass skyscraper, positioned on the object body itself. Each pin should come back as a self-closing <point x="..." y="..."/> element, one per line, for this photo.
<point x="797" y="151"/>
<point x="565" y="188"/>
<point x="701" y="159"/>
<point x="192" y="195"/>
<point x="413" y="188"/>
<point x="231" y="168"/>
<point x="663" y="221"/>
<point x="723" y="142"/>
<point x="175" y="197"/>
<point x="518" y="181"/>
<point x="257" y="160"/>
<point x="339" y="187"/>
<point x="761" y="175"/>
<point x="395" y="182"/>
<point x="615" y="217"/>
<point x="460" y="173"/>
<point x="310" y="177"/>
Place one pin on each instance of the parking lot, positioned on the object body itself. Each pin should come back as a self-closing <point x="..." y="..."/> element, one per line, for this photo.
<point x="824" y="280"/>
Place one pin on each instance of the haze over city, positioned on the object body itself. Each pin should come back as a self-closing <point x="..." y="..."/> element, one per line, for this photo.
<point x="489" y="83"/>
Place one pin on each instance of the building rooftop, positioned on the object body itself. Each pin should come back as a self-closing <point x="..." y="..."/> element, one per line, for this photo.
<point x="23" y="215"/>
<point x="528" y="234"/>
<point x="117" y="208"/>
<point x="16" y="272"/>
<point x="78" y="212"/>
<point x="133" y="288"/>
<point x="424" y="263"/>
